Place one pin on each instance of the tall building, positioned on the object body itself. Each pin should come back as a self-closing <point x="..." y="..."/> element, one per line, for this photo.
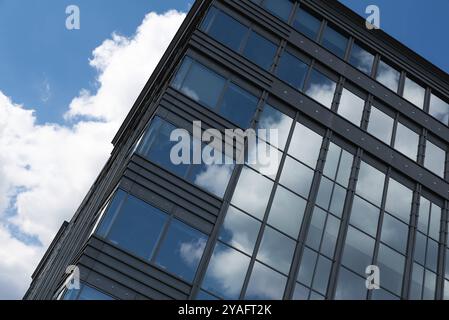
<point x="362" y="180"/>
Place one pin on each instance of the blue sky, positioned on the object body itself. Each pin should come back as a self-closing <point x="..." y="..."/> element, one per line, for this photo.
<point x="43" y="65"/>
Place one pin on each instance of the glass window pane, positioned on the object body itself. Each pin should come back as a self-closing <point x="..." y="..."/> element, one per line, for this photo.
<point x="111" y="212"/>
<point x="432" y="255"/>
<point x="204" y="296"/>
<point x="344" y="171"/>
<point x="350" y="286"/>
<point x="307" y="24"/>
<point x="316" y="228"/>
<point x="358" y="251"/>
<point x="417" y="282"/>
<point x="351" y="107"/>
<point x="181" y="250"/>
<point x="406" y="141"/>
<point x="429" y="285"/>
<point x="305" y="145"/>
<point x="391" y="265"/>
<point x="380" y="125"/>
<point x="287" y="212"/>
<point x="226" y="30"/>
<point x="226" y="272"/>
<point x="394" y="233"/>
<point x="370" y="183"/>
<point x="260" y="50"/>
<point x="272" y="118"/>
<point x="308" y="262"/>
<point x="280" y="8"/>
<point x="439" y="109"/>
<point x="322" y="273"/>
<point x="252" y="193"/>
<point x="265" y="284"/>
<point x="238" y="106"/>
<point x="338" y="201"/>
<point x="332" y="161"/>
<point x="201" y="84"/>
<point x="435" y="159"/>
<point x="364" y="216"/>
<point x="324" y="193"/>
<point x="335" y="42"/>
<point x="321" y="88"/>
<point x="292" y="70"/>
<point x="239" y="230"/>
<point x="90" y="293"/>
<point x="435" y="221"/>
<point x="420" y="248"/>
<point x="361" y="59"/>
<point x="330" y="236"/>
<point x="296" y="177"/>
<point x="381" y="294"/>
<point x="301" y="292"/>
<point x="388" y="76"/>
<point x="276" y="250"/>
<point x="424" y="215"/>
<point x="146" y="223"/>
<point x="399" y="200"/>
<point x="414" y="93"/>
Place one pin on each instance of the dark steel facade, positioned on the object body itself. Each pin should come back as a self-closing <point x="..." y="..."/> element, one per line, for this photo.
<point x="123" y="276"/>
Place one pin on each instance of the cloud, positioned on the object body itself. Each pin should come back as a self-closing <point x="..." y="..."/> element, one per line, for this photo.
<point x="46" y="170"/>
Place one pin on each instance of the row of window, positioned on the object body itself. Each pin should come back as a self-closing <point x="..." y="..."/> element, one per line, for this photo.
<point x="338" y="43"/>
<point x="84" y="292"/>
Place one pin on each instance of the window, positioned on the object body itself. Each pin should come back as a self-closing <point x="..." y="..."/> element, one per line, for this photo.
<point x="388" y="76"/>
<point x="138" y="227"/>
<point x="399" y="200"/>
<point x="365" y="216"/>
<point x="287" y="211"/>
<point x="272" y="118"/>
<point x="439" y="109"/>
<point x="265" y="284"/>
<point x="435" y="159"/>
<point x="305" y="145"/>
<point x="206" y="87"/>
<point x="260" y="50"/>
<point x="351" y="107"/>
<point x="297" y="177"/>
<point x="414" y="93"/>
<point x="370" y="183"/>
<point x="323" y="232"/>
<point x="85" y="292"/>
<point x="181" y="250"/>
<point x="252" y="193"/>
<point x="394" y="233"/>
<point x="380" y="125"/>
<point x="391" y="265"/>
<point x="226" y="272"/>
<point x="156" y="147"/>
<point x="292" y="70"/>
<point x="307" y="24"/>
<point x="361" y="59"/>
<point x="321" y="88"/>
<point x="406" y="141"/>
<point x="335" y="42"/>
<point x="280" y="8"/>
<point x="350" y="286"/>
<point x="358" y="251"/>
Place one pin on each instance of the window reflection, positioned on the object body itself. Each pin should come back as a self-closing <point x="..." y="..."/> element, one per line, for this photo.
<point x="321" y="88"/>
<point x="364" y="216"/>
<point x="370" y="183"/>
<point x="296" y="177"/>
<point x="380" y="125"/>
<point x="439" y="109"/>
<point x="358" y="251"/>
<point x="307" y="24"/>
<point x="265" y="284"/>
<point x="435" y="159"/>
<point x="414" y="93"/>
<point x="406" y="141"/>
<point x="260" y="50"/>
<point x="272" y="118"/>
<point x="305" y="145"/>
<point x="292" y="70"/>
<point x="361" y="59"/>
<point x="335" y="42"/>
<point x="85" y="292"/>
<point x="350" y="286"/>
<point x="391" y="265"/>
<point x="388" y="76"/>
<point x="280" y="8"/>
<point x="399" y="200"/>
<point x="394" y="233"/>
<point x="351" y="107"/>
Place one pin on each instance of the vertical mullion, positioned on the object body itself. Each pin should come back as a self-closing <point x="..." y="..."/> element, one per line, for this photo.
<point x="442" y="259"/>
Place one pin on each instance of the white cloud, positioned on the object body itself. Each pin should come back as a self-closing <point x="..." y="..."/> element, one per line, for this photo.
<point x="45" y="170"/>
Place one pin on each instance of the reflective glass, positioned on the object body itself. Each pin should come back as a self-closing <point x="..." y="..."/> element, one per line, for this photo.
<point x="225" y="29"/>
<point x="435" y="159"/>
<point x="238" y="106"/>
<point x="370" y="183"/>
<point x="226" y="272"/>
<point x="292" y="70"/>
<point x="399" y="200"/>
<point x="287" y="212"/>
<point x="361" y="59"/>
<point x="322" y="273"/>
<point x="90" y="293"/>
<point x="305" y="145"/>
<point x="280" y="8"/>
<point x="272" y="118"/>
<point x="383" y="295"/>
<point x="351" y="107"/>
<point x="406" y="141"/>
<point x="146" y="223"/>
<point x="307" y="268"/>
<point x="265" y="284"/>
<point x="307" y="24"/>
<point x="335" y="42"/>
<point x="316" y="228"/>
<point x="364" y="216"/>
<point x="204" y="296"/>
<point x="276" y="250"/>
<point x="350" y="286"/>
<point x="394" y="233"/>
<point x="321" y="88"/>
<point x="414" y="93"/>
<point x="181" y="250"/>
<point x="330" y="236"/>
<point x="429" y="285"/>
<point x="380" y="125"/>
<point x="416" y="285"/>
<point x="260" y="50"/>
<point x="301" y="292"/>
<point x="239" y="230"/>
<point x="296" y="177"/>
<point x="391" y="265"/>
<point x="439" y="109"/>
<point x="388" y="76"/>
<point x="358" y="251"/>
<point x="252" y="193"/>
